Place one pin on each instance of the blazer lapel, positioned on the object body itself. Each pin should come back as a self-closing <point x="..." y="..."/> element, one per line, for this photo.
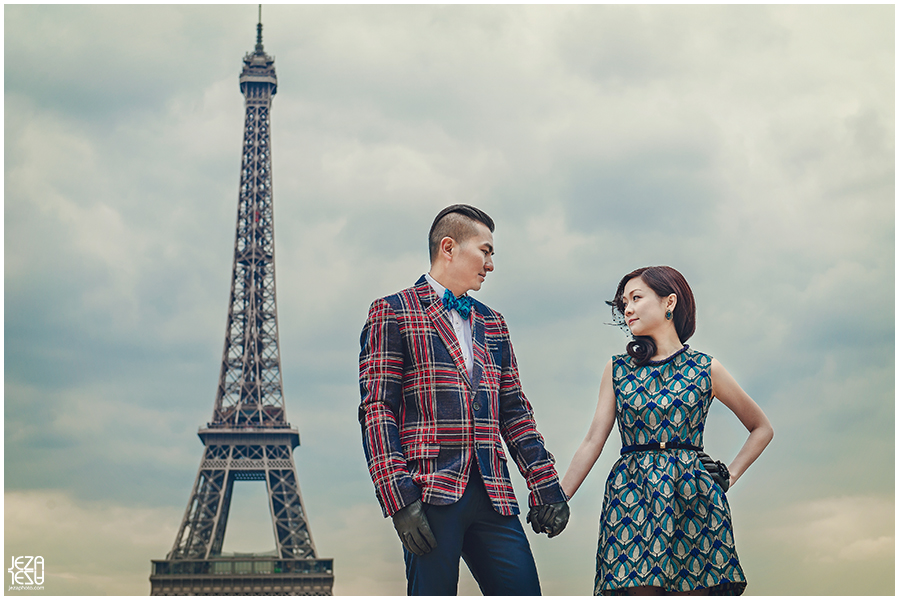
<point x="438" y="316"/>
<point x="478" y="348"/>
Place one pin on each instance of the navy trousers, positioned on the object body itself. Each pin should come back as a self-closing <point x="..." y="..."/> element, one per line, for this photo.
<point x="493" y="546"/>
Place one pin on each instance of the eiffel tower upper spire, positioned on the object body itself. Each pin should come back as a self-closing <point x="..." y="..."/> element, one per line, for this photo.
<point x="259" y="44"/>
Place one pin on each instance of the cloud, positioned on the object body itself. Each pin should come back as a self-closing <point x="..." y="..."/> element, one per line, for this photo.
<point x="826" y="545"/>
<point x="838" y="529"/>
<point x="100" y="548"/>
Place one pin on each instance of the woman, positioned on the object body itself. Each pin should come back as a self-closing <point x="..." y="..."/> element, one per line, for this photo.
<point x="665" y="525"/>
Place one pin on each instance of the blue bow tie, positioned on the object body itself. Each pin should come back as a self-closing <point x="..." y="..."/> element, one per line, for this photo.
<point x="463" y="304"/>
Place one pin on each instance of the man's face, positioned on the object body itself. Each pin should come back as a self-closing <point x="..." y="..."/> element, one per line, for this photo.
<point x="472" y="259"/>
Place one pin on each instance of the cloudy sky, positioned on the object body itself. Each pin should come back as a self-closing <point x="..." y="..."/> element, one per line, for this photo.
<point x="750" y="147"/>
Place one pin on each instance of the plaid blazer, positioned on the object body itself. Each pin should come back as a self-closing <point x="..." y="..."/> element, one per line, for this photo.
<point x="424" y="421"/>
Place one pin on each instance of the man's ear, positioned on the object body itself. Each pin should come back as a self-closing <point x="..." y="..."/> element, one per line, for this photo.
<point x="447" y="246"/>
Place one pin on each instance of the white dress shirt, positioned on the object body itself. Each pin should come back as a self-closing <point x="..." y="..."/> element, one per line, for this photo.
<point x="462" y="327"/>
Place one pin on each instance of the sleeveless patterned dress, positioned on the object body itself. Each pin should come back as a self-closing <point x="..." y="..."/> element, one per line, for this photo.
<point x="665" y="522"/>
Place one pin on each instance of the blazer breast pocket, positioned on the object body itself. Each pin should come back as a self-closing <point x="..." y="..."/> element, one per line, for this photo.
<point x="494" y="349"/>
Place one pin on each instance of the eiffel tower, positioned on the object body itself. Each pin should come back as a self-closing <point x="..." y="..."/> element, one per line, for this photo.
<point x="248" y="437"/>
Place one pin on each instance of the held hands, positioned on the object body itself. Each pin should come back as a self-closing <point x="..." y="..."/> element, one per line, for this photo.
<point x="551" y="519"/>
<point x="413" y="529"/>
<point x="716" y="469"/>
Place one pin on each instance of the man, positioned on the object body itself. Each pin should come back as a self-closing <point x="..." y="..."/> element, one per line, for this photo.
<point x="440" y="388"/>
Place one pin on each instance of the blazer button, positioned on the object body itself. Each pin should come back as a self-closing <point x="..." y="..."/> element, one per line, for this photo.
<point x="476" y="406"/>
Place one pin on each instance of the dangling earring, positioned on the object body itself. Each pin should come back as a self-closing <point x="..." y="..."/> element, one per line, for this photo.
<point x="669" y="315"/>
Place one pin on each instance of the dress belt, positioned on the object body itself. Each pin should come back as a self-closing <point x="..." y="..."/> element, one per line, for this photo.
<point x="660" y="446"/>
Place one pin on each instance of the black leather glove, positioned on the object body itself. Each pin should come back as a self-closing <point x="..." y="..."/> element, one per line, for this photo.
<point x="551" y="519"/>
<point x="413" y="529"/>
<point x="716" y="469"/>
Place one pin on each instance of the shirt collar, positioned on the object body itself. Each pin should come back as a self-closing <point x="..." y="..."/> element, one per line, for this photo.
<point x="435" y="285"/>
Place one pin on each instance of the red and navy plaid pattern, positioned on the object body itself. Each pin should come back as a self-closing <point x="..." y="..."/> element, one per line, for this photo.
<point x="424" y="422"/>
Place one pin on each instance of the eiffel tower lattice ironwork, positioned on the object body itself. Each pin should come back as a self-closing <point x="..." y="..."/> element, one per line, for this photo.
<point x="248" y="437"/>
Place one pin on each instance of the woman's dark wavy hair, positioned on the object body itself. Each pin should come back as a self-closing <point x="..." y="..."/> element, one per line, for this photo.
<point x="663" y="281"/>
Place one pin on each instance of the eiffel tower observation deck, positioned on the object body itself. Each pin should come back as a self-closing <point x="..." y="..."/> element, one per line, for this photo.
<point x="248" y="437"/>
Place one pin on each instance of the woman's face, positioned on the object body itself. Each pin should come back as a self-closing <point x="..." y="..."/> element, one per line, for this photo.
<point x="644" y="310"/>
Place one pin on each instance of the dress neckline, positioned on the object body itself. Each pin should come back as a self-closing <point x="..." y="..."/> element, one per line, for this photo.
<point x="670" y="357"/>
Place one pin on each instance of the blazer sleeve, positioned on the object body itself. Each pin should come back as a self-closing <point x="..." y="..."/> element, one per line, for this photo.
<point x="381" y="361"/>
<point x="519" y="430"/>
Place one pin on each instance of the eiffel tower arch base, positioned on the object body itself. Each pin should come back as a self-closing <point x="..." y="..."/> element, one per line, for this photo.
<point x="196" y="567"/>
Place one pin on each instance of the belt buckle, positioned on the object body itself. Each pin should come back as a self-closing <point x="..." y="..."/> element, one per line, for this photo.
<point x="662" y="446"/>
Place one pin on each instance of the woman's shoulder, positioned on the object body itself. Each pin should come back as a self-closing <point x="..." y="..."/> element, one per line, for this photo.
<point x="621" y="365"/>
<point x="622" y="359"/>
<point x="698" y="357"/>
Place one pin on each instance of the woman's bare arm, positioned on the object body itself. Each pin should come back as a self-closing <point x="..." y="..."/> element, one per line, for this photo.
<point x="598" y="433"/>
<point x="727" y="390"/>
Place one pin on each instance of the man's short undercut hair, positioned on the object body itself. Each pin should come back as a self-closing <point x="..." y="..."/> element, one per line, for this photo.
<point x="457" y="222"/>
